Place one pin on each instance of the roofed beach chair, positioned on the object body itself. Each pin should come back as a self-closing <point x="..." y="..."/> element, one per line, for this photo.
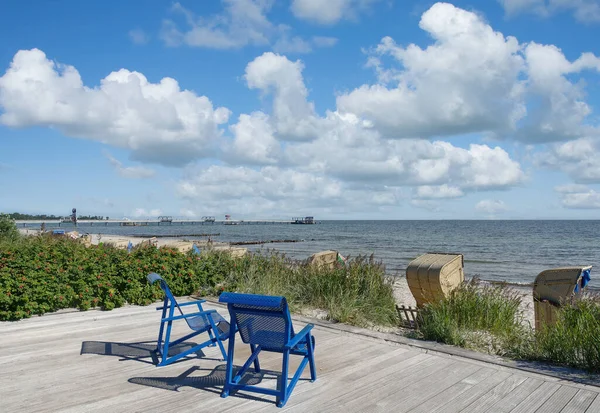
<point x="202" y="321"/>
<point x="265" y="324"/>
<point x="553" y="287"/>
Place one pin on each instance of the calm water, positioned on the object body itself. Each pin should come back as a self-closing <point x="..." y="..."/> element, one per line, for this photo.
<point x="511" y="251"/>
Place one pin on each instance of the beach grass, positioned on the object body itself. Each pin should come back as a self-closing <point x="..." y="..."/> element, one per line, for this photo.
<point x="477" y="316"/>
<point x="358" y="293"/>
<point x="575" y="338"/>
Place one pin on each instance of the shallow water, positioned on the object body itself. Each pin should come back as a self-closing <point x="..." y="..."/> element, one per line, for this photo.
<point x="510" y="251"/>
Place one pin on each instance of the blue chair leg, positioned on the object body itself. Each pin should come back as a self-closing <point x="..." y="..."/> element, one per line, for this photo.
<point x="229" y="368"/>
<point x="256" y="363"/>
<point x="162" y="326"/>
<point x="311" y="357"/>
<point x="216" y="337"/>
<point x="165" y="349"/>
<point x="282" y="399"/>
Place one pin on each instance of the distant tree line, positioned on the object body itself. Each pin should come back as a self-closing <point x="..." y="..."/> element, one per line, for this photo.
<point x="19" y="216"/>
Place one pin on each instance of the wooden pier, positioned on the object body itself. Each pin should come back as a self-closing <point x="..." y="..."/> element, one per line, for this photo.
<point x="145" y="223"/>
<point x="100" y="362"/>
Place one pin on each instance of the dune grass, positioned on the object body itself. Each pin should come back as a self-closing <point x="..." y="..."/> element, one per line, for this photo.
<point x="575" y="338"/>
<point x="476" y="316"/>
<point x="359" y="293"/>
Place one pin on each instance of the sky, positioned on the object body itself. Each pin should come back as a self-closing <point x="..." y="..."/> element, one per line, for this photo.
<point x="264" y="109"/>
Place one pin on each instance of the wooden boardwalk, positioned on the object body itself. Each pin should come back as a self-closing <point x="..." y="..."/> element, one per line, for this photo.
<point x="99" y="362"/>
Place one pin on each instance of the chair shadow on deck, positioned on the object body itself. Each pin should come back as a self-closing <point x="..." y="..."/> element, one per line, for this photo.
<point x="212" y="382"/>
<point x="144" y="351"/>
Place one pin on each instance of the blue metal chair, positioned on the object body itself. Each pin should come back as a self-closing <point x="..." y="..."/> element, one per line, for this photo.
<point x="200" y="322"/>
<point x="265" y="324"/>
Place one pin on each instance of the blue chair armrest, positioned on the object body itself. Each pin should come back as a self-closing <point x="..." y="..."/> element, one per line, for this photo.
<point x="192" y="302"/>
<point x="294" y="341"/>
<point x="183" y="304"/>
<point x="179" y="317"/>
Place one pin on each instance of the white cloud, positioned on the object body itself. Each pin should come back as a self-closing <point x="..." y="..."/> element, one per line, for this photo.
<point x="241" y="23"/>
<point x="491" y="207"/>
<point x="438" y="192"/>
<point x="139" y="36"/>
<point x="295" y="44"/>
<point x="431" y="206"/>
<point x="467" y="81"/>
<point x="583" y="10"/>
<point x="133" y="172"/>
<point x="578" y="197"/>
<point x="570" y="188"/>
<point x="142" y="213"/>
<point x="578" y="159"/>
<point x="561" y="110"/>
<point x="330" y="11"/>
<point x="188" y="213"/>
<point x="472" y="79"/>
<point x="324" y="41"/>
<point x="293" y="116"/>
<point x="159" y="122"/>
<point x="254" y="141"/>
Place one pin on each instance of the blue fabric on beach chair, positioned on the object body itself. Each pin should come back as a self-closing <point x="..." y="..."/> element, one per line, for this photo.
<point x="265" y="324"/>
<point x="208" y="321"/>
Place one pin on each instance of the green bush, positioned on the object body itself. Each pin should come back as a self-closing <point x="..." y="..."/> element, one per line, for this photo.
<point x="8" y="229"/>
<point x="44" y="274"/>
<point x="481" y="317"/>
<point x="575" y="338"/>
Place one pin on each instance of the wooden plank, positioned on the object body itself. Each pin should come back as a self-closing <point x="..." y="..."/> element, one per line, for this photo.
<point x="352" y="381"/>
<point x="498" y="392"/>
<point x="537" y="398"/>
<point x="369" y="391"/>
<point x="594" y="406"/>
<point x="463" y="400"/>
<point x="423" y="389"/>
<point x="515" y="397"/>
<point x="580" y="402"/>
<point x="558" y="400"/>
<point x="453" y="391"/>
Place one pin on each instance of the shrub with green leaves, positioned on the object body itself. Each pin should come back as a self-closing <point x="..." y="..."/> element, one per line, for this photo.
<point x="44" y="274"/>
<point x="8" y="229"/>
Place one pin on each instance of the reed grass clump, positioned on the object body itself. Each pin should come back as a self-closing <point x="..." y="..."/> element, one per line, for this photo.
<point x="477" y="316"/>
<point x="358" y="293"/>
<point x="575" y="338"/>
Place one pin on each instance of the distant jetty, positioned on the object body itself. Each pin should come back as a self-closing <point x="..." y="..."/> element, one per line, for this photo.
<point x="162" y="221"/>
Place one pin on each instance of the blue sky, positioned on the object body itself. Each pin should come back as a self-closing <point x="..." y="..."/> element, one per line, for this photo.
<point x="346" y="109"/>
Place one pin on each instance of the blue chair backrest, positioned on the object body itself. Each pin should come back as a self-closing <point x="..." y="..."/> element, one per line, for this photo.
<point x="261" y="319"/>
<point x="154" y="277"/>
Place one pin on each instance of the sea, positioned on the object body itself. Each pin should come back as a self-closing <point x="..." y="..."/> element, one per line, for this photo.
<point x="494" y="250"/>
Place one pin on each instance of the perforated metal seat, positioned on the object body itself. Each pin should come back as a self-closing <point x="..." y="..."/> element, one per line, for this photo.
<point x="265" y="324"/>
<point x="199" y="322"/>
